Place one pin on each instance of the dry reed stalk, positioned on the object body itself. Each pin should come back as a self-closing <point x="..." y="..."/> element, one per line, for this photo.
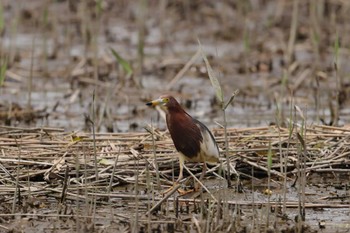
<point x="59" y="155"/>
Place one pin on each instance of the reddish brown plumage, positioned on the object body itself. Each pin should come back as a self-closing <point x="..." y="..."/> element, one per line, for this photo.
<point x="188" y="133"/>
<point x="185" y="133"/>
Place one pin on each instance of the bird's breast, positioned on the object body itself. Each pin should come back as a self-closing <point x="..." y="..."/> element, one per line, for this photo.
<point x="185" y="134"/>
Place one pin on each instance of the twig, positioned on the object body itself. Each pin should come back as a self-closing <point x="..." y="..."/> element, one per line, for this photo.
<point x="174" y="189"/>
<point x="197" y="180"/>
<point x="181" y="73"/>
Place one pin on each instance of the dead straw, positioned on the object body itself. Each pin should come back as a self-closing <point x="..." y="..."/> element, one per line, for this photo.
<point x="52" y="164"/>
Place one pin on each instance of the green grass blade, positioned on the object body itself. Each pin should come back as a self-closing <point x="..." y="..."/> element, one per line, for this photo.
<point x="269" y="157"/>
<point x="99" y="7"/>
<point x="302" y="142"/>
<point x="336" y="51"/>
<point x="246" y="42"/>
<point x="2" y="24"/>
<point x="126" y="66"/>
<point x="3" y="69"/>
<point x="231" y="99"/>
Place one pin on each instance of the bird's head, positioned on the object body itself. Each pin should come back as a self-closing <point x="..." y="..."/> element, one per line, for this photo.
<point x="164" y="100"/>
<point x="166" y="103"/>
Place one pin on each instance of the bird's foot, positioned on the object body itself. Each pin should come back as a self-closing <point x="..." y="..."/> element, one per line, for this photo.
<point x="180" y="190"/>
<point x="168" y="190"/>
<point x="196" y="191"/>
<point x="184" y="192"/>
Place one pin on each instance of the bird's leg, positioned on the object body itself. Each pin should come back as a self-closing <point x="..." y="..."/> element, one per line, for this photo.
<point x="182" y="191"/>
<point x="204" y="170"/>
<point x="181" y="164"/>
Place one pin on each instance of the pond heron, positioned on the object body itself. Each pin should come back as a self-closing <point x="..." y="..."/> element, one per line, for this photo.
<point x="192" y="139"/>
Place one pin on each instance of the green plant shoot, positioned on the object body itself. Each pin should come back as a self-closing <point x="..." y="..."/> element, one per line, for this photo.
<point x="126" y="66"/>
<point x="3" y="69"/>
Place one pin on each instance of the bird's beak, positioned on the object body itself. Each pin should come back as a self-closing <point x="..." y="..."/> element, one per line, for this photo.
<point x="156" y="102"/>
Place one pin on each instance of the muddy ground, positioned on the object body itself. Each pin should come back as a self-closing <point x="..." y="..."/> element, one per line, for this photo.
<point x="58" y="68"/>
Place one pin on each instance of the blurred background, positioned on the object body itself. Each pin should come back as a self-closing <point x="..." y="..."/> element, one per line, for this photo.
<point x="67" y="63"/>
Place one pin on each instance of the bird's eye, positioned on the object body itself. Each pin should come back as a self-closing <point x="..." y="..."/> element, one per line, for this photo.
<point x="166" y="100"/>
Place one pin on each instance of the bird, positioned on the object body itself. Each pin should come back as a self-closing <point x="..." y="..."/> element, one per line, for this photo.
<point x="192" y="139"/>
